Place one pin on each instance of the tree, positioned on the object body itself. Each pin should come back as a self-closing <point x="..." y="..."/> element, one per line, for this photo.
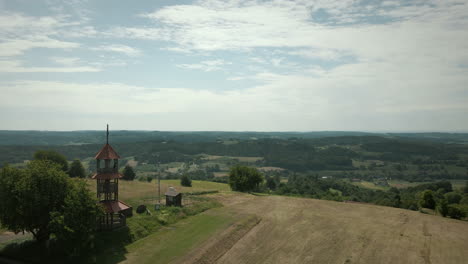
<point x="244" y="179"/>
<point x="75" y="225"/>
<point x="456" y="211"/>
<point x="28" y="196"/>
<point x="271" y="183"/>
<point x="76" y="169"/>
<point x="453" y="197"/>
<point x="185" y="181"/>
<point x="52" y="156"/>
<point x="128" y="173"/>
<point x="427" y="199"/>
<point x="442" y="207"/>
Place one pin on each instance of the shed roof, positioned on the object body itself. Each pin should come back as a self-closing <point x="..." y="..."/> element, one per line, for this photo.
<point x="107" y="175"/>
<point x="114" y="206"/>
<point x="172" y="192"/>
<point x="107" y="152"/>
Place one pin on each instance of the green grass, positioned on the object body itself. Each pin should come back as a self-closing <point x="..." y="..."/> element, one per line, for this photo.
<point x="199" y="185"/>
<point x="369" y="185"/>
<point x="458" y="184"/>
<point x="170" y="243"/>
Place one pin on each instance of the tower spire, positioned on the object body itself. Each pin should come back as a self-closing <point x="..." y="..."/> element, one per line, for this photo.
<point x="107" y="134"/>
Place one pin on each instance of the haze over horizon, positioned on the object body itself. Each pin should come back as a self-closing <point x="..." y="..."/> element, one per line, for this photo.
<point x="241" y="65"/>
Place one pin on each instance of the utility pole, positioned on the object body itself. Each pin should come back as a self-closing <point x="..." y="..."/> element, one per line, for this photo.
<point x="158" y="206"/>
<point x="159" y="184"/>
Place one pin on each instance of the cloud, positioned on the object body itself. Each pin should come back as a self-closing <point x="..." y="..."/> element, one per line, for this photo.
<point x="66" y="61"/>
<point x="280" y="102"/>
<point x="207" y="65"/>
<point x="129" y="51"/>
<point x="15" y="47"/>
<point x="306" y="65"/>
<point x="20" y="33"/>
<point x="16" y="66"/>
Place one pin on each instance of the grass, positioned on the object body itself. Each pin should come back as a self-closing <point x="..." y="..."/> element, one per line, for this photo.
<point x="170" y="243"/>
<point x="110" y="247"/>
<point x="369" y="185"/>
<point x="458" y="184"/>
<point x="142" y="191"/>
<point x="241" y="159"/>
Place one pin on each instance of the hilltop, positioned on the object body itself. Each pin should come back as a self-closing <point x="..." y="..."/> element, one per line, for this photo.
<point x="299" y="230"/>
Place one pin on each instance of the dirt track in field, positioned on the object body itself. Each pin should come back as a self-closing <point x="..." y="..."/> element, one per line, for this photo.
<point x="296" y="230"/>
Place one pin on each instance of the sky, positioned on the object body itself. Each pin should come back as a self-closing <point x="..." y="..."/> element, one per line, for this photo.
<point x="240" y="65"/>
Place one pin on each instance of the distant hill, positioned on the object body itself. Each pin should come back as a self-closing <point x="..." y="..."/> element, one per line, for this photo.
<point x="44" y="138"/>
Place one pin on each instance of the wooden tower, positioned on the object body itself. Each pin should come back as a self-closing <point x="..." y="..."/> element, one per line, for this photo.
<point x="107" y="182"/>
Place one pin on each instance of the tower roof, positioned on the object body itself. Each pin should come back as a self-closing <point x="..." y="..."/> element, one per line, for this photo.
<point x="107" y="176"/>
<point x="107" y="152"/>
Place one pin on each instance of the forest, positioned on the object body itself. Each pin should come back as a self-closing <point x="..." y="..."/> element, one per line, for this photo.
<point x="352" y="156"/>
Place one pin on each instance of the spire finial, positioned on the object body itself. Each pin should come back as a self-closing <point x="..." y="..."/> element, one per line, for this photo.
<point x="107" y="135"/>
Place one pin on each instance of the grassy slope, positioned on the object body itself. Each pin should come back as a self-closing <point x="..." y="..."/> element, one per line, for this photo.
<point x="168" y="244"/>
<point x="298" y="230"/>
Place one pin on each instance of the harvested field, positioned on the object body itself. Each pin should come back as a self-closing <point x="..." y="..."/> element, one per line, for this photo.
<point x="270" y="169"/>
<point x="241" y="159"/>
<point x="297" y="230"/>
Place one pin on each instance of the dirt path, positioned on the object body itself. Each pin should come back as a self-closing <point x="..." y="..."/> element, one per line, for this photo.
<point x="296" y="230"/>
<point x="8" y="236"/>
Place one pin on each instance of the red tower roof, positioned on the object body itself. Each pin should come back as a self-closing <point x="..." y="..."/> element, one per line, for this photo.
<point x="107" y="176"/>
<point x="114" y="206"/>
<point x="107" y="152"/>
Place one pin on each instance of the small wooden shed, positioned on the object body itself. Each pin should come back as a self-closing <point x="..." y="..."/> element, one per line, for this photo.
<point x="173" y="197"/>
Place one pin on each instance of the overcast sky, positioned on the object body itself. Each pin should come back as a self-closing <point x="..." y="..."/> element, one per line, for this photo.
<point x="302" y="65"/>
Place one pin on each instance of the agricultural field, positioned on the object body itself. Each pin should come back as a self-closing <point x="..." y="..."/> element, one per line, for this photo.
<point x="143" y="191"/>
<point x="299" y="230"/>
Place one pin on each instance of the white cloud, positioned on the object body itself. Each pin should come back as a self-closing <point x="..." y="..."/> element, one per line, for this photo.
<point x="66" y="61"/>
<point x="283" y="102"/>
<point x="20" y="33"/>
<point x="14" y="47"/>
<point x="129" y="51"/>
<point x="405" y="67"/>
<point x="17" y="66"/>
<point x="207" y="65"/>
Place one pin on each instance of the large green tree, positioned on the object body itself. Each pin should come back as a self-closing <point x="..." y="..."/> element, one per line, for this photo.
<point x="244" y="179"/>
<point x="28" y="196"/>
<point x="128" y="173"/>
<point x="77" y="170"/>
<point x="43" y="200"/>
<point x="75" y="225"/>
<point x="52" y="156"/>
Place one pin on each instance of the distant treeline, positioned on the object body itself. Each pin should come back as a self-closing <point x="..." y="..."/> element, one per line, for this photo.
<point x="32" y="137"/>
<point x="294" y="154"/>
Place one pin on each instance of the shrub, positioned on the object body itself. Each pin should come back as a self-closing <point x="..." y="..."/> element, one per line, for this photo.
<point x="456" y="211"/>
<point x="185" y="181"/>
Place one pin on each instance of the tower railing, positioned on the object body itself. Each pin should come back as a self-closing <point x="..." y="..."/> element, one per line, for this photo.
<point x="107" y="170"/>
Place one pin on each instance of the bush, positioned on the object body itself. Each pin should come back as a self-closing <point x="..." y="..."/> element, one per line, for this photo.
<point x="128" y="173"/>
<point x="77" y="170"/>
<point x="442" y="207"/>
<point x="456" y="211"/>
<point x="185" y="181"/>
<point x="52" y="156"/>
<point x="453" y="197"/>
<point x="427" y="200"/>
